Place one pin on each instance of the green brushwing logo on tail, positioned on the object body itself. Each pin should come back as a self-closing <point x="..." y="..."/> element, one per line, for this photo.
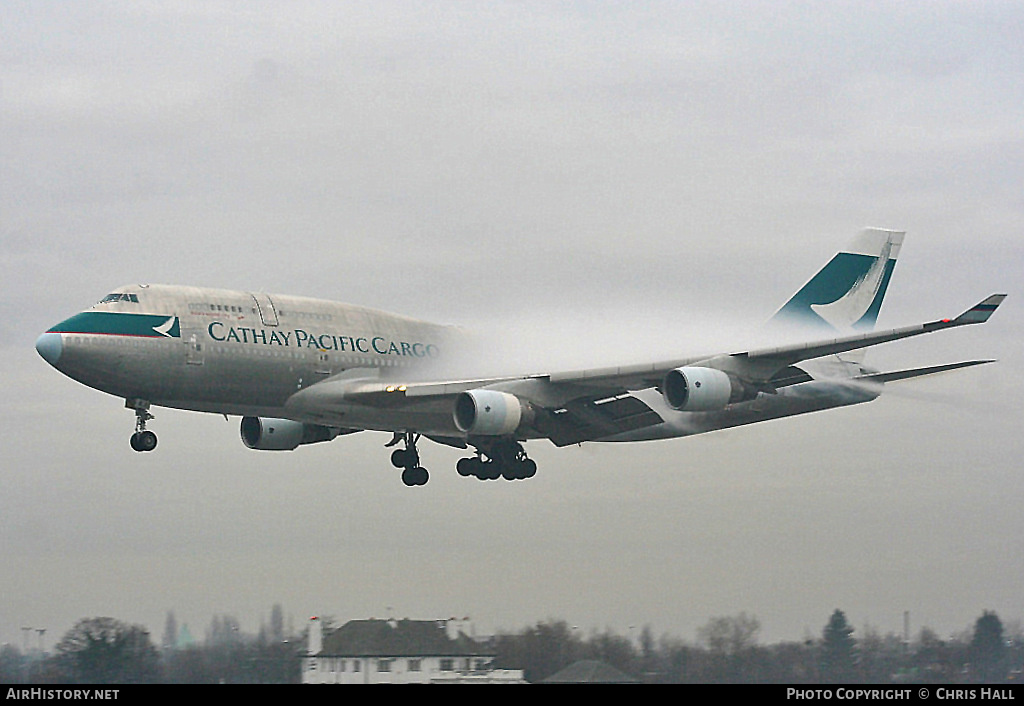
<point x="847" y="293"/>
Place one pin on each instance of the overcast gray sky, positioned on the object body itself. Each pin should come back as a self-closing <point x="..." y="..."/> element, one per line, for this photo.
<point x="599" y="179"/>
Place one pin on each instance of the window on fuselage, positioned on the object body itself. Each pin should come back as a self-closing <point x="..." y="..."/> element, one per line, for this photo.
<point x="120" y="297"/>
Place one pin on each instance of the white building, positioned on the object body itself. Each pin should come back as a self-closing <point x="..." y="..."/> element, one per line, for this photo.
<point x="401" y="652"/>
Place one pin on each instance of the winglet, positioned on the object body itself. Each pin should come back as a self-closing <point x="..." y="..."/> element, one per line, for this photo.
<point x="979" y="313"/>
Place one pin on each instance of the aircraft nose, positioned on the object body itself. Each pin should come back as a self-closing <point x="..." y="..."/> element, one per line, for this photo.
<point x="50" y="346"/>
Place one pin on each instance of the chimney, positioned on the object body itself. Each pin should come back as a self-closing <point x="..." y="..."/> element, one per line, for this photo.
<point x="454" y="626"/>
<point x="316" y="636"/>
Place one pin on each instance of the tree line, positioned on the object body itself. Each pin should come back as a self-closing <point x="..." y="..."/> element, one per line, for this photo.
<point x="727" y="650"/>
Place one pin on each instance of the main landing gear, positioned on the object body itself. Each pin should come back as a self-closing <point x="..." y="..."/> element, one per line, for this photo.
<point x="504" y="459"/>
<point x="498" y="458"/>
<point x="142" y="440"/>
<point x="408" y="459"/>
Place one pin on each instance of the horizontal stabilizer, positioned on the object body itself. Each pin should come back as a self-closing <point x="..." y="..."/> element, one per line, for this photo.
<point x="918" y="372"/>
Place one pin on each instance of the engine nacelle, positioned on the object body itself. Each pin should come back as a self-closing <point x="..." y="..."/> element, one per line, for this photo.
<point x="693" y="389"/>
<point x="489" y="412"/>
<point x="282" y="434"/>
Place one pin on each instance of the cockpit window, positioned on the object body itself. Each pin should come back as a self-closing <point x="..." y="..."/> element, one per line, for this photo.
<point x="120" y="297"/>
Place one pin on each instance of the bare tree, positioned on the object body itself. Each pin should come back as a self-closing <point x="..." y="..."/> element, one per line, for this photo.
<point x="729" y="635"/>
<point x="730" y="642"/>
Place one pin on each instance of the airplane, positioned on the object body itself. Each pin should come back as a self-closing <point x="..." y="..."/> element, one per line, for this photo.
<point x="301" y="371"/>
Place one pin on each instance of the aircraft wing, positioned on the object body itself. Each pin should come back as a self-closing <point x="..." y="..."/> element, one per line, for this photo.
<point x="593" y="403"/>
<point x="765" y="365"/>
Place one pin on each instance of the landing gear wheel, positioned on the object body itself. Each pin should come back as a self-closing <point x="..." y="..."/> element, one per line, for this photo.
<point x="505" y="458"/>
<point x="400" y="459"/>
<point x="147" y="441"/>
<point x="529" y="468"/>
<point x="143" y="441"/>
<point x="467" y="466"/>
<point x="416" y="475"/>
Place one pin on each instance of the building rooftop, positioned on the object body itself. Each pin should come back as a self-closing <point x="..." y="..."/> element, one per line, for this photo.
<point x="401" y="638"/>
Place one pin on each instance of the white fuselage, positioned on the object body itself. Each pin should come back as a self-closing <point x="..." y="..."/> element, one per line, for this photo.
<point x="239" y="353"/>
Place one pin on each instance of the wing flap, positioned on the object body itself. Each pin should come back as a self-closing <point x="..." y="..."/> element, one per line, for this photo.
<point x="585" y="420"/>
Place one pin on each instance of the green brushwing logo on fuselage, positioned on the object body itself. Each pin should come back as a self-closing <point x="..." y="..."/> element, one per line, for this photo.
<point x="107" y="323"/>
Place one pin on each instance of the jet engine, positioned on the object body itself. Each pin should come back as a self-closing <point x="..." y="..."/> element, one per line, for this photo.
<point x="490" y="413"/>
<point x="692" y="389"/>
<point x="282" y="434"/>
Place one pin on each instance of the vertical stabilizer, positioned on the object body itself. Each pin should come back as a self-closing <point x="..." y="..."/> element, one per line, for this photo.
<point x="847" y="293"/>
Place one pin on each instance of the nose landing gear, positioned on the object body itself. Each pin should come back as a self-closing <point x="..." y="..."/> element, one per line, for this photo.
<point x="142" y="440"/>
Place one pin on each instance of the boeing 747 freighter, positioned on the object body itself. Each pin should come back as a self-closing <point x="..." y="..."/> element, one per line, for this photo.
<point x="301" y="371"/>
